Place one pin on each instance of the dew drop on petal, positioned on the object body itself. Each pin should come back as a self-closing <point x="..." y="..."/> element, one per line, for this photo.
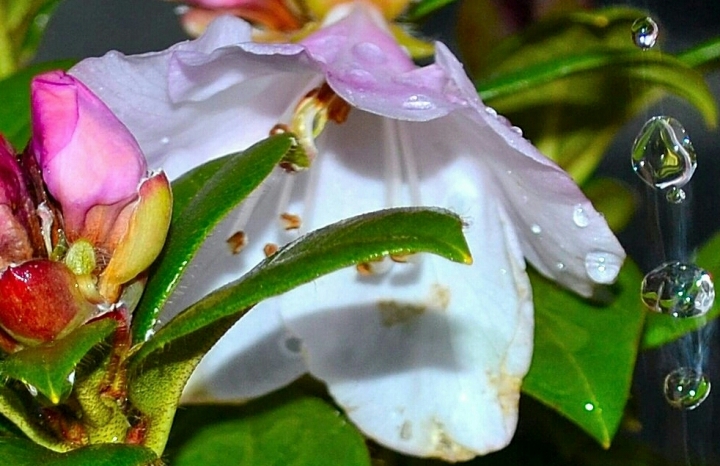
<point x="369" y="53"/>
<point x="686" y="388"/>
<point x="291" y="345"/>
<point x="678" y="289"/>
<point x="535" y="228"/>
<point x="491" y="111"/>
<point x="602" y="267"/>
<point x="662" y="154"/>
<point x="165" y="140"/>
<point x="644" y="32"/>
<point x="517" y="130"/>
<point x="580" y="217"/>
<point x="560" y="266"/>
<point x="360" y="78"/>
<point x="418" y="102"/>
<point x="675" y="195"/>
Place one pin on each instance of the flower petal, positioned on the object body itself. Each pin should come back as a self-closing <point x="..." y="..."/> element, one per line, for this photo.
<point x="203" y="98"/>
<point x="560" y="232"/>
<point x="365" y="66"/>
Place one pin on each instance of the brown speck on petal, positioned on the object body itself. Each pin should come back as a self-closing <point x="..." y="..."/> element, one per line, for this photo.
<point x="364" y="269"/>
<point x="279" y="129"/>
<point x="270" y="249"/>
<point x="237" y="242"/>
<point x="290" y="221"/>
<point x="399" y="258"/>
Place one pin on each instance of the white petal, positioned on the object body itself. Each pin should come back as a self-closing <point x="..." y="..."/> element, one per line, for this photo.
<point x="201" y="99"/>
<point x="427" y="358"/>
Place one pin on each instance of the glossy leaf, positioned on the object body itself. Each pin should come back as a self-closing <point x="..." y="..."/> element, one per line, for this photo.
<point x="423" y="8"/>
<point x="19" y="452"/>
<point x="49" y="367"/>
<point x="15" y="98"/>
<point x="661" y="329"/>
<point x="585" y="352"/>
<point x="202" y="198"/>
<point x="167" y="359"/>
<point x="282" y="429"/>
<point x="705" y="57"/>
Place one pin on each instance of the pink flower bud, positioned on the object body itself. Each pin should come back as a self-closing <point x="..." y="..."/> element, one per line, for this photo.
<point x="87" y="156"/>
<point x="40" y="300"/>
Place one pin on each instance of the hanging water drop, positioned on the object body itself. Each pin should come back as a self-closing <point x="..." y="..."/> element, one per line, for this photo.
<point x="675" y="195"/>
<point x="678" y="289"/>
<point x="602" y="267"/>
<point x="686" y="388"/>
<point x="644" y="32"/>
<point x="662" y="154"/>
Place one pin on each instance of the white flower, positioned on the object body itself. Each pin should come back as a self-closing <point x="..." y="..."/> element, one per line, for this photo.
<point x="427" y="356"/>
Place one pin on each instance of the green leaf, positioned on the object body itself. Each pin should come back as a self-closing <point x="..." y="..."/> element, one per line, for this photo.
<point x="22" y="22"/>
<point x="572" y="81"/>
<point x="202" y="198"/>
<point x="15" y="98"/>
<point x="167" y="359"/>
<point x="585" y="352"/>
<point x="283" y="430"/>
<point x="422" y="8"/>
<point x="49" y="367"/>
<point x="19" y="452"/>
<point x="705" y="57"/>
<point x="661" y="328"/>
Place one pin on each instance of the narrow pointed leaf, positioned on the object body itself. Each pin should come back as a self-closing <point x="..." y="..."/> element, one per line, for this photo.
<point x="281" y="429"/>
<point x="49" y="367"/>
<point x="704" y="57"/>
<point x="19" y="452"/>
<point x="423" y="8"/>
<point x="585" y="353"/>
<point x="203" y="197"/>
<point x="167" y="359"/>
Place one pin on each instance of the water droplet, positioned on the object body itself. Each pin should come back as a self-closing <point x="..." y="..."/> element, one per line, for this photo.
<point x="291" y="345"/>
<point x="560" y="266"/>
<point x="491" y="111"/>
<point x="418" y="102"/>
<point x="369" y="53"/>
<point x="644" y="32"/>
<point x="678" y="289"/>
<point x="662" y="154"/>
<point x="31" y="389"/>
<point x="535" y="228"/>
<point x="589" y="407"/>
<point x="675" y="195"/>
<point x="517" y="130"/>
<point x="360" y="78"/>
<point x="71" y="378"/>
<point x="686" y="388"/>
<point x="602" y="267"/>
<point x="164" y="140"/>
<point x="580" y="217"/>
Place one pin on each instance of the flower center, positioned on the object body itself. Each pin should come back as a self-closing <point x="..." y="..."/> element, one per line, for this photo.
<point x="308" y="121"/>
<point x="390" y="9"/>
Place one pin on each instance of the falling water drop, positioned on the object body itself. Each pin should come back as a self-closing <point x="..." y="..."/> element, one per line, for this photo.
<point x="580" y="217"/>
<point x="686" y="388"/>
<point x="662" y="154"/>
<point x="644" y="32"/>
<point x="675" y="195"/>
<point x="678" y="289"/>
